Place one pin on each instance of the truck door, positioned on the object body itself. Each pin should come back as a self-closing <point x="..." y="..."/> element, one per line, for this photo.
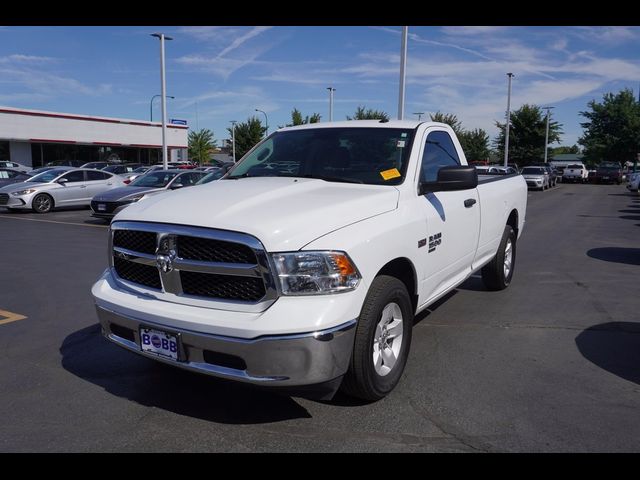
<point x="452" y="220"/>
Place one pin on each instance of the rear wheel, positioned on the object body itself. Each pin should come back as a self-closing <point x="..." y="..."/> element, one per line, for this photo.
<point x="42" y="203"/>
<point x="383" y="339"/>
<point x="497" y="274"/>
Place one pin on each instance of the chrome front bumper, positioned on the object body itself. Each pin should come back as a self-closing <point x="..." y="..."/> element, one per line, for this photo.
<point x="283" y="360"/>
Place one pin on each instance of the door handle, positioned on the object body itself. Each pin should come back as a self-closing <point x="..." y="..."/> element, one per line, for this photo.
<point x="83" y="186"/>
<point x="469" y="202"/>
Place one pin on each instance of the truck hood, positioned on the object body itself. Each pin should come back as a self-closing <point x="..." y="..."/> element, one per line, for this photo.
<point x="283" y="213"/>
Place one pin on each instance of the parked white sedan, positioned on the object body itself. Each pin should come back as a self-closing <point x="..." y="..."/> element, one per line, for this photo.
<point x="14" y="166"/>
<point x="58" y="188"/>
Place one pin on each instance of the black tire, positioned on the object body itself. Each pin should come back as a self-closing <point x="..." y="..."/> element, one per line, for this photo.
<point x="493" y="274"/>
<point x="42" y="203"/>
<point x="362" y="380"/>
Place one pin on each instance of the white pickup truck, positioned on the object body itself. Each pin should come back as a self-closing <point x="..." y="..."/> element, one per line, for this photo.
<point x="305" y="265"/>
<point x="576" y="172"/>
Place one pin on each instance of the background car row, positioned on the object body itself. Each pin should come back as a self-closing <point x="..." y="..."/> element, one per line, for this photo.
<point x="106" y="192"/>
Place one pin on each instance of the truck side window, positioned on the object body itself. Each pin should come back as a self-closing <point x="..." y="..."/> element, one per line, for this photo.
<point x="439" y="152"/>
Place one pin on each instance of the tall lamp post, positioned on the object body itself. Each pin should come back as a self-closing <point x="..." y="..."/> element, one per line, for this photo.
<point x="506" y="137"/>
<point x="331" y="90"/>
<point x="151" y="105"/>
<point x="233" y="138"/>
<point x="403" y="65"/>
<point x="419" y="115"/>
<point x="546" y="136"/>
<point x="266" y="121"/>
<point x="163" y="91"/>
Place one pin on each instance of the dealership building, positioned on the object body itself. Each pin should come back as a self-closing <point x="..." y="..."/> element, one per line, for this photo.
<point x="35" y="138"/>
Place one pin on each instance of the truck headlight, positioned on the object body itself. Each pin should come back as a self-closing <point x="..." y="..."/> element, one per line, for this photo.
<point x="315" y="273"/>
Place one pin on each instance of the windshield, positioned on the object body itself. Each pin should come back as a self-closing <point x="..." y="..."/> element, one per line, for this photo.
<point x="579" y="167"/>
<point x="375" y="156"/>
<point x="154" y="179"/>
<point x="609" y="167"/>
<point x="140" y="170"/>
<point x="47" y="176"/>
<point x="532" y="171"/>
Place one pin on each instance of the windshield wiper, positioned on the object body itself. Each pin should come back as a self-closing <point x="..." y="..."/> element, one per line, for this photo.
<point x="334" y="179"/>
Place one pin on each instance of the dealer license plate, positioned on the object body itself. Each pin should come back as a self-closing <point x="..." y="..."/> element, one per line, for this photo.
<point x="102" y="207"/>
<point x="159" y="342"/>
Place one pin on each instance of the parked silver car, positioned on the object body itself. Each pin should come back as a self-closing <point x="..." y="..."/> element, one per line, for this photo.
<point x="58" y="188"/>
<point x="14" y="166"/>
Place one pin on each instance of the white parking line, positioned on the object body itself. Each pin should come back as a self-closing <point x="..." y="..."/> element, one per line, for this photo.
<point x="11" y="217"/>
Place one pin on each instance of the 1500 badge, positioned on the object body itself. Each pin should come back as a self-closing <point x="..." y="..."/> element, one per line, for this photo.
<point x="434" y="241"/>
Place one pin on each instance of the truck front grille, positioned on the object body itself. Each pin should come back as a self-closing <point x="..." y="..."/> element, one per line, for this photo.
<point x="137" y="273"/>
<point x="188" y="262"/>
<point x="222" y="286"/>
<point x="209" y="250"/>
<point x="136" y="241"/>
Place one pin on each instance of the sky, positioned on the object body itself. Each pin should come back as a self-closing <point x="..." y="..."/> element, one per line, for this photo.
<point x="219" y="74"/>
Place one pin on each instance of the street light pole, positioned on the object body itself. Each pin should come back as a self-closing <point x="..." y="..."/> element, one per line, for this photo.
<point x="233" y="139"/>
<point x="403" y="64"/>
<point x="331" y="90"/>
<point x="163" y="82"/>
<point x="151" y="105"/>
<point x="506" y="137"/>
<point x="419" y="115"/>
<point x="546" y="136"/>
<point x="266" y="121"/>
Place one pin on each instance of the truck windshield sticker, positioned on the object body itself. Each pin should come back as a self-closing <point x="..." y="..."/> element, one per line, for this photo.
<point x="390" y="174"/>
<point x="400" y="144"/>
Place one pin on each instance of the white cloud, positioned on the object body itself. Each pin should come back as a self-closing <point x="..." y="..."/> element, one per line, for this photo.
<point x="473" y="30"/>
<point x="607" y="35"/>
<point x="25" y="59"/>
<point x="242" y="39"/>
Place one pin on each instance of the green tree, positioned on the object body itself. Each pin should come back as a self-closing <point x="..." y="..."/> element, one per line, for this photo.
<point x="247" y="135"/>
<point x="527" y="135"/>
<point x="450" y="119"/>
<point x="475" y="144"/>
<point x="201" y="144"/>
<point x="574" y="149"/>
<point x="368" y="114"/>
<point x="297" y="119"/>
<point x="612" y="129"/>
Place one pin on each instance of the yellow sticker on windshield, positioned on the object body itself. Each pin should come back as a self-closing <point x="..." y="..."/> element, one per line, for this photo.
<point x="389" y="174"/>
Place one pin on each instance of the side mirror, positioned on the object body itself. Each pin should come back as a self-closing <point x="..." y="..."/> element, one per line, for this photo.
<point x="451" y="178"/>
<point x="62" y="181"/>
<point x="176" y="185"/>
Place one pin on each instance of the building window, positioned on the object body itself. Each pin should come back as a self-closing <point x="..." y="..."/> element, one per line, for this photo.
<point x="4" y="150"/>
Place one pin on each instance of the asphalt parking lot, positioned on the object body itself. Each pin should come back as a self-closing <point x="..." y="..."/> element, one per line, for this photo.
<point x="551" y="364"/>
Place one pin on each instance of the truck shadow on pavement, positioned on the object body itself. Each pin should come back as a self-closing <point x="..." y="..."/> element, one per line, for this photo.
<point x="88" y="355"/>
<point x="614" y="347"/>
<point x="630" y="256"/>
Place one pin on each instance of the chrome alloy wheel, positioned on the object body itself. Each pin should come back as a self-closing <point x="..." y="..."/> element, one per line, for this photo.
<point x="42" y="203"/>
<point x="387" y="339"/>
<point x="508" y="258"/>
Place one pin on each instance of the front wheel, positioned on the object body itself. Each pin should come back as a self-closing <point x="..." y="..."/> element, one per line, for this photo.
<point x="497" y="274"/>
<point x="42" y="203"/>
<point x="383" y="339"/>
